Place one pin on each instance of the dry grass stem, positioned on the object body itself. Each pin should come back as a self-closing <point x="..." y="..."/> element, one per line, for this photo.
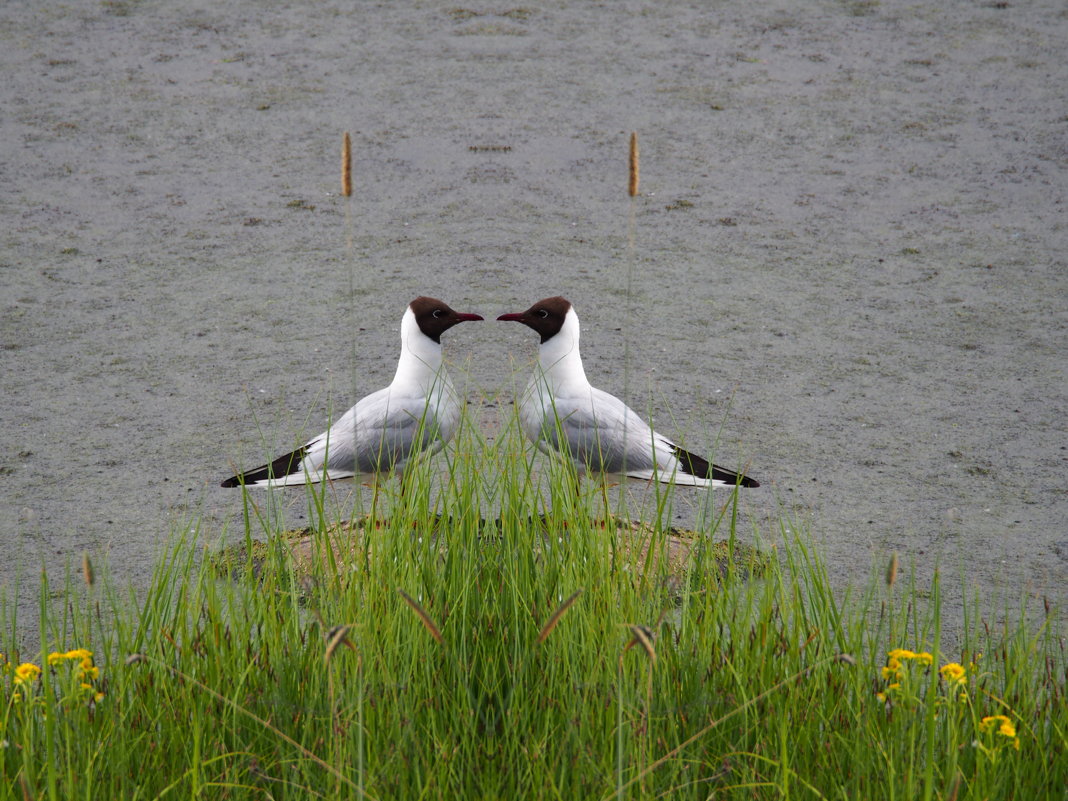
<point x="954" y="789"/>
<point x="346" y="166"/>
<point x="634" y="177"/>
<point x="434" y="631"/>
<point x="547" y="629"/>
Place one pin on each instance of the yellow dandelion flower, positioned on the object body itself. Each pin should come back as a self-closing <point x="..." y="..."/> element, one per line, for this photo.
<point x="924" y="658"/>
<point x="895" y="686"/>
<point x="881" y="697"/>
<point x="55" y="658"/>
<point x="891" y="672"/>
<point x="1003" y="724"/>
<point x="26" y="672"/>
<point x="900" y="653"/>
<point x="954" y="673"/>
<point x="88" y="670"/>
<point x="79" y="654"/>
<point x="86" y="686"/>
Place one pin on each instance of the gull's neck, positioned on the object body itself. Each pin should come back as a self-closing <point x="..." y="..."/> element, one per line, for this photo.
<point x="420" y="357"/>
<point x="559" y="358"/>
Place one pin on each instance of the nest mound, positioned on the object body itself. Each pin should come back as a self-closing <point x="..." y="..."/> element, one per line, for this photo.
<point x="348" y="545"/>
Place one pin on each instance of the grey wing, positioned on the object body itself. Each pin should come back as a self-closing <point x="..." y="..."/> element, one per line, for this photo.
<point x="600" y="433"/>
<point x="378" y="434"/>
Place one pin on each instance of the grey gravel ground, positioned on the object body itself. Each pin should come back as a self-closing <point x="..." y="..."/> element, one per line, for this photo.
<point x="849" y="251"/>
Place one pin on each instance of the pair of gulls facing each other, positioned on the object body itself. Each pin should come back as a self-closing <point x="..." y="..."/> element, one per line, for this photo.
<point x="559" y="410"/>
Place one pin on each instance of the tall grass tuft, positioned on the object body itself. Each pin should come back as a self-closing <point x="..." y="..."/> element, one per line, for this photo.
<point x="490" y="634"/>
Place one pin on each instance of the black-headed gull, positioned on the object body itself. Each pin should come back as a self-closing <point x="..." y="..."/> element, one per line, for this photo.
<point x="600" y="432"/>
<point x="418" y="411"/>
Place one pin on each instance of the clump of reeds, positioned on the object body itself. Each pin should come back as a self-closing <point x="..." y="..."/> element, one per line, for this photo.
<point x="528" y="689"/>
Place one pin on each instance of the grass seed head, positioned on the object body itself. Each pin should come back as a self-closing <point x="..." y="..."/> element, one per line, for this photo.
<point x="643" y="636"/>
<point x="346" y="165"/>
<point x="547" y="629"/>
<point x="634" y="168"/>
<point x="87" y="570"/>
<point x="336" y="637"/>
<point x="423" y="616"/>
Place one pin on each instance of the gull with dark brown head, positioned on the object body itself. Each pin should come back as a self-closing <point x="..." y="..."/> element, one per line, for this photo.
<point x="563" y="414"/>
<point x="419" y="411"/>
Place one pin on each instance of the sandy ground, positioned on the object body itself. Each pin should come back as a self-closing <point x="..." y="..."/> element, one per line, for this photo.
<point x="849" y="252"/>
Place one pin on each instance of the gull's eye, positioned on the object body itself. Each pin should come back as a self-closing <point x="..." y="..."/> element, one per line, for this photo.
<point x="437" y="313"/>
<point x="542" y="313"/>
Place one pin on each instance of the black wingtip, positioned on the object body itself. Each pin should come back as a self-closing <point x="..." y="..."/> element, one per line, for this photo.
<point x="282" y="466"/>
<point x="730" y="477"/>
<point x="698" y="466"/>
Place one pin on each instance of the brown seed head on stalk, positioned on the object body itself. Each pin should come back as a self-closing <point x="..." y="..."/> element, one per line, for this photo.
<point x="335" y="638"/>
<point x="87" y="570"/>
<point x="346" y="166"/>
<point x="547" y="629"/>
<point x="643" y="636"/>
<point x="423" y="616"/>
<point x="634" y="177"/>
<point x="891" y="571"/>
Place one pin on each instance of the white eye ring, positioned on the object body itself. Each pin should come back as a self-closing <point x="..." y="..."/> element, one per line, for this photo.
<point x="437" y="313"/>
<point x="542" y="313"/>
